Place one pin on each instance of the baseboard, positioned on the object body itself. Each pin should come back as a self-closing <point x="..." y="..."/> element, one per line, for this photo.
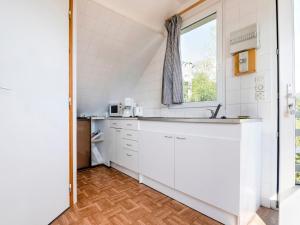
<point x="125" y="170"/>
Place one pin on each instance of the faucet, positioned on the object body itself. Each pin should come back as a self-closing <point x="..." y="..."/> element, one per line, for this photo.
<point x="214" y="114"/>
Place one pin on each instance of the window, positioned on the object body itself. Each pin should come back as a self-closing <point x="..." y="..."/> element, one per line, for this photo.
<point x="199" y="60"/>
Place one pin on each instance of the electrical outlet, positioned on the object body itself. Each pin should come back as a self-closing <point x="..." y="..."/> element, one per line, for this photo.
<point x="260" y="88"/>
<point x="259" y="96"/>
<point x="260" y="84"/>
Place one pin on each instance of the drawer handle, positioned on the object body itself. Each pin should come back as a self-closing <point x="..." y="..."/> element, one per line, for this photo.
<point x="114" y="123"/>
<point x="128" y="155"/>
<point x="129" y="145"/>
<point x="129" y="124"/>
<point x="180" y="138"/>
<point x="168" y="137"/>
<point x="129" y="135"/>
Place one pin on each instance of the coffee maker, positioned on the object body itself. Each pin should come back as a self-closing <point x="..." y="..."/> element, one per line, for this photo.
<point x="128" y="107"/>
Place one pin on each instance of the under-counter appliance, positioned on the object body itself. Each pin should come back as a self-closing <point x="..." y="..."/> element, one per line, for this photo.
<point x="115" y="110"/>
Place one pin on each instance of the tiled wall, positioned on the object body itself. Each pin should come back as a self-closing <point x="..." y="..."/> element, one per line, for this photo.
<point x="240" y="91"/>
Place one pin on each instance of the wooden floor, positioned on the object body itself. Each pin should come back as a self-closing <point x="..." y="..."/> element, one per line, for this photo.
<point x="265" y="216"/>
<point x="106" y="196"/>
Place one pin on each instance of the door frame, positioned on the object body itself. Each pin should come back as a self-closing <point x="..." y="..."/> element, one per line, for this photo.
<point x="71" y="111"/>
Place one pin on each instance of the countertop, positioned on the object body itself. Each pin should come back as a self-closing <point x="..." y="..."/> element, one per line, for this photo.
<point x="191" y="120"/>
<point x="122" y="118"/>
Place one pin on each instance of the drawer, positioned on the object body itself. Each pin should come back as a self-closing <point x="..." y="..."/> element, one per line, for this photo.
<point x="115" y="123"/>
<point x="130" y="144"/>
<point x="130" y="124"/>
<point x="130" y="134"/>
<point x="129" y="159"/>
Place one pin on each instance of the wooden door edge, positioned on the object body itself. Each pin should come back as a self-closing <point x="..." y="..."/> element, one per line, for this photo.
<point x="71" y="181"/>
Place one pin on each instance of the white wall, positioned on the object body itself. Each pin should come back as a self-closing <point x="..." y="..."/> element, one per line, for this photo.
<point x="240" y="91"/>
<point x="113" y="51"/>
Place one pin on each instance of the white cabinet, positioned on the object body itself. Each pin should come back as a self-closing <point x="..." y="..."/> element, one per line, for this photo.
<point x="129" y="159"/>
<point x="123" y="144"/>
<point x="118" y="146"/>
<point x="113" y="143"/>
<point x="157" y="156"/>
<point x="207" y="168"/>
<point x="213" y="168"/>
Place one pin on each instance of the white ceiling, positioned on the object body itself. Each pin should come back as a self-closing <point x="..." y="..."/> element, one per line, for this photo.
<point x="151" y="13"/>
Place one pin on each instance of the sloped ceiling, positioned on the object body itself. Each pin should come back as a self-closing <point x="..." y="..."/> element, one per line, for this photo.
<point x="116" y="40"/>
<point x="151" y="13"/>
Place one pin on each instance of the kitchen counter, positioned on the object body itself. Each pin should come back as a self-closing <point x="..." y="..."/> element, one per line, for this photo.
<point x="199" y="120"/>
<point x="189" y="120"/>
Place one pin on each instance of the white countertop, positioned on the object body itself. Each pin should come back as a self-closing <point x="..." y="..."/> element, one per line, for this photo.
<point x="190" y="120"/>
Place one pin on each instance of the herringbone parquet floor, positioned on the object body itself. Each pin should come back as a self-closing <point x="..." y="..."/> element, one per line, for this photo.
<point x="108" y="197"/>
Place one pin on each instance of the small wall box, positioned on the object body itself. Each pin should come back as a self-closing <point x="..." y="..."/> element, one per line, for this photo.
<point x="245" y="62"/>
<point x="243" y="45"/>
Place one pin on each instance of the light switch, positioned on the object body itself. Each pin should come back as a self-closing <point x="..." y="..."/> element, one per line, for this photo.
<point x="243" y="61"/>
<point x="260" y="88"/>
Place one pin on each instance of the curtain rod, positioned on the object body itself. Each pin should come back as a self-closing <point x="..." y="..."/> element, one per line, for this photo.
<point x="199" y="2"/>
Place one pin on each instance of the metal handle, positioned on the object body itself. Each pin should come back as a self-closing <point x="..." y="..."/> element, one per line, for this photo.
<point x="129" y="124"/>
<point x="291" y="100"/>
<point x="168" y="137"/>
<point x="129" y="135"/>
<point x="5" y="89"/>
<point x="128" y="155"/>
<point x="180" y="138"/>
<point x="129" y="145"/>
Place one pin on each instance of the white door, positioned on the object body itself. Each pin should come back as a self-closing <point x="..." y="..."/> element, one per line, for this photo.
<point x="289" y="29"/>
<point x="33" y="111"/>
<point x="157" y="156"/>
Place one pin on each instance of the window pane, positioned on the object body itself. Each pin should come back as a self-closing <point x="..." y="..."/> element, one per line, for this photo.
<point x="198" y="55"/>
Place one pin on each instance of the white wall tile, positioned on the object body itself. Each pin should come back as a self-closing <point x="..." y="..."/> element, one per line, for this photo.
<point x="249" y="110"/>
<point x="233" y="111"/>
<point x="233" y="97"/>
<point x="233" y="83"/>
<point x="248" y="96"/>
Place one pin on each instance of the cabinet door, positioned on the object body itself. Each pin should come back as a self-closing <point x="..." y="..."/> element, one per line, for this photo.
<point x="208" y="169"/>
<point x="118" y="146"/>
<point x="108" y="143"/>
<point x="157" y="156"/>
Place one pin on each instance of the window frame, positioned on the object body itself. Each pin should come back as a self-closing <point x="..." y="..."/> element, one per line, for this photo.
<point x="194" y="16"/>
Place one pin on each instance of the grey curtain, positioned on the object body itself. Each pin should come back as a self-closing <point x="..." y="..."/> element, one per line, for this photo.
<point x="172" y="88"/>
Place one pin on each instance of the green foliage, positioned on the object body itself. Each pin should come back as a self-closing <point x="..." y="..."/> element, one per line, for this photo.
<point x="203" y="89"/>
<point x="297" y="177"/>
<point x="201" y="84"/>
<point x="298" y="142"/>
